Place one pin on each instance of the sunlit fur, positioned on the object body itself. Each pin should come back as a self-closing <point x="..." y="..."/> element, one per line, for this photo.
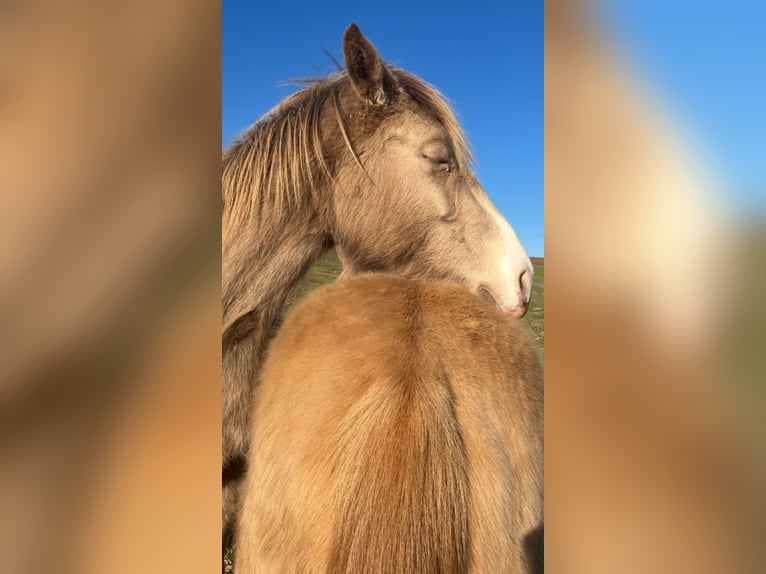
<point x="398" y="428"/>
<point x="344" y="162"/>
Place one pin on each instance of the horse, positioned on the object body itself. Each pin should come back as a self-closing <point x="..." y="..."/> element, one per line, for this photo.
<point x="370" y="160"/>
<point x="397" y="428"/>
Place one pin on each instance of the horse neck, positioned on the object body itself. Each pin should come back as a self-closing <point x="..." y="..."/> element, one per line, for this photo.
<point x="259" y="269"/>
<point x="264" y="259"/>
<point x="262" y="266"/>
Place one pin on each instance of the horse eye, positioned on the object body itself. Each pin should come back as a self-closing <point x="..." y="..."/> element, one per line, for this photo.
<point x="440" y="163"/>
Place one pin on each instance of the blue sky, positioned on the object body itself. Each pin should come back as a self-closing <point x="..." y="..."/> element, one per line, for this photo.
<point x="706" y="63"/>
<point x="486" y="57"/>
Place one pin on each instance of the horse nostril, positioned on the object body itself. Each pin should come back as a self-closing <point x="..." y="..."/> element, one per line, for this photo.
<point x="526" y="279"/>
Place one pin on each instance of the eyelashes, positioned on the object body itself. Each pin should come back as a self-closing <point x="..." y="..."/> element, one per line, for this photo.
<point x="439" y="163"/>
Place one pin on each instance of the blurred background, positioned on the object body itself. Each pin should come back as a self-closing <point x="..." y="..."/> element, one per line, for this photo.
<point x="654" y="196"/>
<point x="110" y="127"/>
<point x="109" y="286"/>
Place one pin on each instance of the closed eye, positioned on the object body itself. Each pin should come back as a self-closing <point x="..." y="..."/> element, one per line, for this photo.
<point x="438" y="163"/>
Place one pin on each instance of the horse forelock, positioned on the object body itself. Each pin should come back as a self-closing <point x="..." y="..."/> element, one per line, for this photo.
<point x="436" y="106"/>
<point x="281" y="163"/>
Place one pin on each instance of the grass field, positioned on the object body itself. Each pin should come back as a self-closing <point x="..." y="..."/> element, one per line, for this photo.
<point x="328" y="267"/>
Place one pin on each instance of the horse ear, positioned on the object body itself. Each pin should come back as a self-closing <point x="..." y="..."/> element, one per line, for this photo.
<point x="369" y="76"/>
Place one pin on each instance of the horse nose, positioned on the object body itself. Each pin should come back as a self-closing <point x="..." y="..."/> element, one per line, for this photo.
<point x="524" y="294"/>
<point x="526" y="280"/>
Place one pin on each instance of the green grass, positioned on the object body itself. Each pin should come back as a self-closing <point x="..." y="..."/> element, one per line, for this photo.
<point x="534" y="319"/>
<point x="326" y="270"/>
<point x="329" y="267"/>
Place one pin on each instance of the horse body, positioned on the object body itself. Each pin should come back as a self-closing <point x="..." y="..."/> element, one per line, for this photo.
<point x="397" y="428"/>
<point x="371" y="161"/>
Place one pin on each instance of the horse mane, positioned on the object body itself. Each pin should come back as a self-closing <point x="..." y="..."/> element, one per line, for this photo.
<point x="281" y="161"/>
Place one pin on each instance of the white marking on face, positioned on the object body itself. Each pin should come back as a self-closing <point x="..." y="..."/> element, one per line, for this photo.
<point x="512" y="287"/>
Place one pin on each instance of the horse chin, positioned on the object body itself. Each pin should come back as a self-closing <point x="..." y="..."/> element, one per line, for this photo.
<point x="517" y="311"/>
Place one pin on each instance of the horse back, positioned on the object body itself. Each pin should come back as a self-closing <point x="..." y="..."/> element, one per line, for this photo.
<point x="397" y="428"/>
